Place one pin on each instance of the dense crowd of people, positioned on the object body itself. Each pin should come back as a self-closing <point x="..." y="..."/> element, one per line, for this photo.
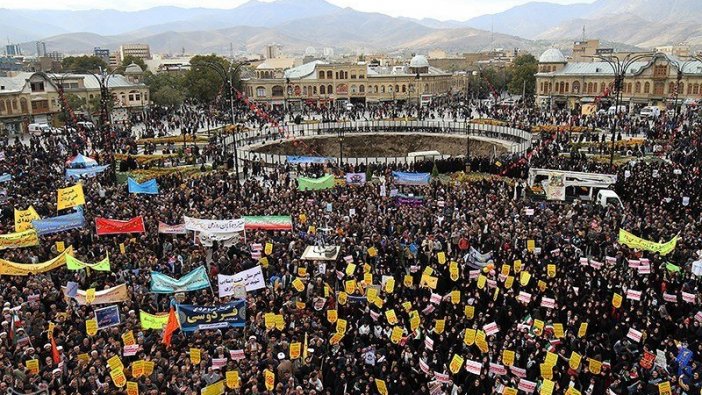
<point x="455" y="286"/>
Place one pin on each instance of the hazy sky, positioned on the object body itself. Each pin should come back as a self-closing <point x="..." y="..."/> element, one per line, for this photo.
<point x="440" y="9"/>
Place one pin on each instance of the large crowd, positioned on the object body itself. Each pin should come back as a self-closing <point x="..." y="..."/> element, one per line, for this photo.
<point x="472" y="288"/>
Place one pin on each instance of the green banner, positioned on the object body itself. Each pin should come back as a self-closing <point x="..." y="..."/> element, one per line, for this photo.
<point x="315" y="184"/>
<point x="74" y="264"/>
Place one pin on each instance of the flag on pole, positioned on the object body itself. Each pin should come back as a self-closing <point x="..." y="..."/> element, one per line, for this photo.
<point x="171" y="327"/>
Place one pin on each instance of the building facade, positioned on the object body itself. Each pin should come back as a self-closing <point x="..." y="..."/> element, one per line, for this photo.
<point x="34" y="97"/>
<point x="320" y="83"/>
<point x="588" y="85"/>
<point x="141" y="51"/>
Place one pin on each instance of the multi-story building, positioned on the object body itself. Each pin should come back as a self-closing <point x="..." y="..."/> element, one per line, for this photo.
<point x="13" y="50"/>
<point x="41" y="48"/>
<point x="34" y="97"/>
<point x="323" y="83"/>
<point x="141" y="51"/>
<point x="587" y="85"/>
<point x="102" y="53"/>
<point x="273" y="51"/>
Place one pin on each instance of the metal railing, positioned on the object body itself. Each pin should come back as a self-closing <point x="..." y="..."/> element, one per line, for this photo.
<point x="518" y="140"/>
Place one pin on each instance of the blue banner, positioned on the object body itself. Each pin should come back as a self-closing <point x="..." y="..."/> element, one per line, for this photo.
<point x="163" y="284"/>
<point x="147" y="187"/>
<point x="107" y="316"/>
<point x="684" y="357"/>
<point x="230" y="315"/>
<point x="61" y="223"/>
<point x="5" y="177"/>
<point x="403" y="178"/>
<point x="294" y="160"/>
<point x="87" y="172"/>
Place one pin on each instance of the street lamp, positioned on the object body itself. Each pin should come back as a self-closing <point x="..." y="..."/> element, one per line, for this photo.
<point x="681" y="70"/>
<point x="619" y="66"/>
<point x="228" y="78"/>
<point x="340" y="133"/>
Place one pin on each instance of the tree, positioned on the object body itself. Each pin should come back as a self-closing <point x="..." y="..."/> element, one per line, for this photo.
<point x="75" y="102"/>
<point x="523" y="71"/>
<point x="168" y="96"/>
<point x="498" y="79"/>
<point x="129" y="59"/>
<point x="202" y="82"/>
<point x="91" y="64"/>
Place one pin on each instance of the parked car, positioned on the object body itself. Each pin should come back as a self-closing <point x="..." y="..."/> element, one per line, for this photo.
<point x="39" y="129"/>
<point x="650" y="112"/>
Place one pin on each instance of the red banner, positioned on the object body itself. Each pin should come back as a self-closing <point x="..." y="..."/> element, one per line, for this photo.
<point x="106" y="226"/>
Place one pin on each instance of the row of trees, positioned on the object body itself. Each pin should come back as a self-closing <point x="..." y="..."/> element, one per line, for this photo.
<point x="516" y="79"/>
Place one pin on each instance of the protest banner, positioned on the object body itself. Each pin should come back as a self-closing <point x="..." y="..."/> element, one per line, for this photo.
<point x="76" y="174"/>
<point x="229" y="315"/>
<point x="252" y="280"/>
<point x="211" y="226"/>
<point x="70" y="197"/>
<point x="152" y="321"/>
<point x="638" y="243"/>
<point x="75" y="264"/>
<point x="194" y="280"/>
<point x="404" y="178"/>
<point x="107" y="317"/>
<point x="355" y="178"/>
<point x="8" y="268"/>
<point x="48" y="226"/>
<point x="149" y="187"/>
<point x="27" y="238"/>
<point x="315" y="184"/>
<point x="105" y="226"/>
<point x="178" y="229"/>
<point x="267" y="222"/>
<point x="116" y="294"/>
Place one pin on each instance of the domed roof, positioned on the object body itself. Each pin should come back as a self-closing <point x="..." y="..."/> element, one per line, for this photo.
<point x="419" y="61"/>
<point x="552" y="55"/>
<point x="133" y="69"/>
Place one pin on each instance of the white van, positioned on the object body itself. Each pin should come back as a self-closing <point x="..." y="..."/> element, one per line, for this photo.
<point x="612" y="110"/>
<point x="650" y="112"/>
<point x="608" y="196"/>
<point x="39" y="129"/>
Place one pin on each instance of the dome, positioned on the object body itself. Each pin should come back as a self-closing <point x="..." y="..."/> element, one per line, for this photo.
<point x="419" y="62"/>
<point x="552" y="55"/>
<point x="133" y="69"/>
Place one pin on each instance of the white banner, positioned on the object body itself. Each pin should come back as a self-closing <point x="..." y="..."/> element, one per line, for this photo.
<point x="252" y="279"/>
<point x="214" y="225"/>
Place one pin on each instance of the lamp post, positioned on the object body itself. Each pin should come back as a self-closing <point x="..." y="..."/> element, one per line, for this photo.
<point x="227" y="76"/>
<point x="619" y="66"/>
<point x="340" y="133"/>
<point x="681" y="70"/>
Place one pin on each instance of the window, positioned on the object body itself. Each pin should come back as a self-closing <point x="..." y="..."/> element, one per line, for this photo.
<point x="277" y="91"/>
<point x="329" y="74"/>
<point x="361" y="76"/>
<point x="382" y="88"/>
<point x="353" y="89"/>
<point x="660" y="71"/>
<point x="37" y="86"/>
<point x="322" y="90"/>
<point x="567" y="87"/>
<point x="647" y="87"/>
<point x="637" y="87"/>
<point x="404" y="88"/>
<point x="330" y="90"/>
<point x="337" y="75"/>
<point x="397" y="88"/>
<point x="23" y="105"/>
<point x="314" y="90"/>
<point x="681" y="89"/>
<point x="131" y="97"/>
<point x="689" y="89"/>
<point x="260" y="91"/>
<point x="362" y="89"/>
<point x="2" y="105"/>
<point x="40" y="106"/>
<point x="321" y="75"/>
<point x="695" y="90"/>
<point x="576" y="87"/>
<point x="353" y="75"/>
<point x="658" y="88"/>
<point x="602" y="87"/>
<point x="671" y="88"/>
<point x="304" y="91"/>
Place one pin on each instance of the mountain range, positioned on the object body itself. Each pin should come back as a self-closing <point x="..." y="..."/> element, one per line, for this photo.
<point x="298" y="24"/>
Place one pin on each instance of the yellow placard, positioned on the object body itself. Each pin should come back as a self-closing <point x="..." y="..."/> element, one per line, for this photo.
<point x="407" y="280"/>
<point x="595" y="366"/>
<point x="295" y="350"/>
<point x="551" y="270"/>
<point x="456" y="363"/>
<point x="128" y="338"/>
<point x="232" y="379"/>
<point x="469" y="337"/>
<point x="389" y="286"/>
<point x="407" y="306"/>
<point x="441" y="257"/>
<point x="538" y="327"/>
<point x="524" y="278"/>
<point x="368" y="278"/>
<point x="428" y="271"/>
<point x="453" y="271"/>
<point x="269" y="378"/>
<point x="546" y="371"/>
<point x="118" y="377"/>
<point x="148" y="368"/>
<point x="414" y="322"/>
<point x="469" y="311"/>
<point x="542" y="285"/>
<point x="91" y="327"/>
<point x="341" y="326"/>
<point x="137" y="369"/>
<point x="517" y="265"/>
<point x="302" y="271"/>
<point x="218" y="387"/>
<point x="617" y="300"/>
<point x="279" y="322"/>
<point x="268" y="249"/>
<point x="396" y="335"/>
<point x="367" y="268"/>
<point x="372" y="294"/>
<point x="531" y="245"/>
<point x="350" y="286"/>
<point x="455" y="296"/>
<point x="380" y="385"/>
<point x="32" y="365"/>
<point x="269" y="320"/>
<point x="505" y="270"/>
<point x="439" y="326"/>
<point x="509" y="391"/>
<point x="391" y="317"/>
<point x="372" y="252"/>
<point x="115" y="363"/>
<point x="558" y="330"/>
<point x="664" y="388"/>
<point x="84" y="358"/>
<point x="27" y="238"/>
<point x="574" y="361"/>
<point x="551" y="359"/>
<point x="428" y="281"/>
<point x="582" y="331"/>
<point x="350" y="269"/>
<point x="70" y="197"/>
<point x="508" y="357"/>
<point x="509" y="281"/>
<point x="132" y="388"/>
<point x="332" y="315"/>
<point x="482" y="280"/>
<point x="343" y="298"/>
<point x="335" y="339"/>
<point x="122" y="249"/>
<point x="195" y="355"/>
<point x="298" y="284"/>
<point x="60" y="246"/>
<point x="547" y="387"/>
<point x="89" y="295"/>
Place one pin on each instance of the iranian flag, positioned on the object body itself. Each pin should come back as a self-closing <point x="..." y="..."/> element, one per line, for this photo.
<point x="268" y="222"/>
